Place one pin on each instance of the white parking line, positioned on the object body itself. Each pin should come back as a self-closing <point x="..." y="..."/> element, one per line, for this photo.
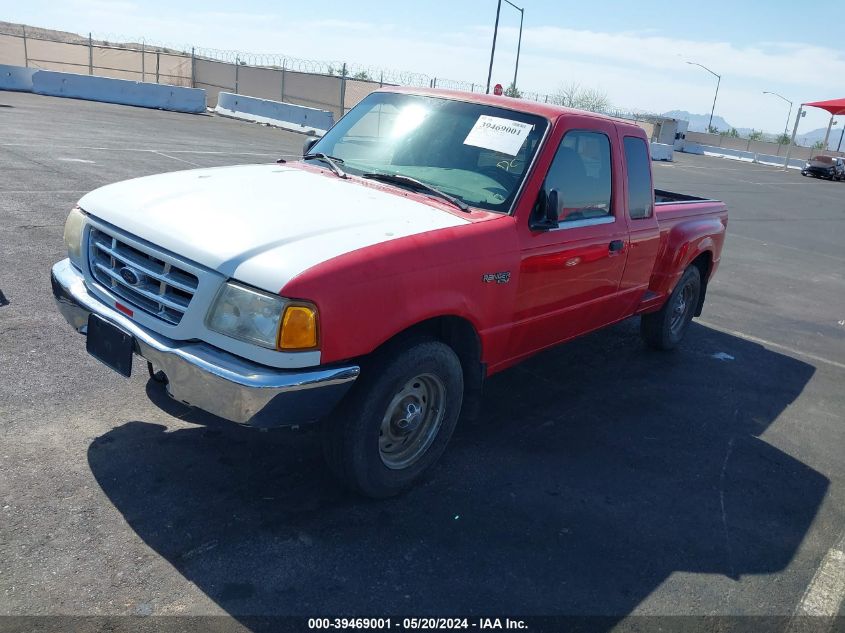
<point x="181" y="160"/>
<point x="76" y="160"/>
<point x="762" y="341"/>
<point x="825" y="593"/>
<point x="40" y="191"/>
<point x="145" y="149"/>
<point x="792" y="248"/>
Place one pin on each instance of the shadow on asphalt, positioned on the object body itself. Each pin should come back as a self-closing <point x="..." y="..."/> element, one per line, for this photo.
<point x="595" y="471"/>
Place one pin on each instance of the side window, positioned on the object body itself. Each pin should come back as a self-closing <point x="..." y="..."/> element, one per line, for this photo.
<point x="640" y="192"/>
<point x="580" y="173"/>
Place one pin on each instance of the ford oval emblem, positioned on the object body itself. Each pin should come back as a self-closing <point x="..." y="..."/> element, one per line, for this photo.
<point x="131" y="276"/>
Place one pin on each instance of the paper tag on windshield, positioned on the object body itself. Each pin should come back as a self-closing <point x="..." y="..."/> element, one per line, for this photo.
<point x="497" y="134"/>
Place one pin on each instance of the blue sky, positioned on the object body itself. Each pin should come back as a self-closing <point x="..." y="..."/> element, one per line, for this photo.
<point x="635" y="52"/>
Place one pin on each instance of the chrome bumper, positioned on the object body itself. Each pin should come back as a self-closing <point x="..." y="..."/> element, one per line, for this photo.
<point x="208" y="378"/>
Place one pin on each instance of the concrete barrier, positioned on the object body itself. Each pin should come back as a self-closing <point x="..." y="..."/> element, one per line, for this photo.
<point x="692" y="148"/>
<point x="16" y="78"/>
<point x="662" y="151"/>
<point x="284" y="115"/>
<point x="749" y="157"/>
<point x="122" y="91"/>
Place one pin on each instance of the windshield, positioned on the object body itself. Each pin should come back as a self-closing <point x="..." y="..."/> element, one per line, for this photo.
<point x="822" y="159"/>
<point x="476" y="153"/>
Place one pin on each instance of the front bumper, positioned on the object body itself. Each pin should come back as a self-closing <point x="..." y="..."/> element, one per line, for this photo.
<point x="208" y="378"/>
<point x="817" y="171"/>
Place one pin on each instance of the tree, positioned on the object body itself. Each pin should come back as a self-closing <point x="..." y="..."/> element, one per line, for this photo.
<point x="819" y="145"/>
<point x="513" y="91"/>
<point x="783" y="139"/>
<point x="574" y="96"/>
<point x="362" y="75"/>
<point x="755" y="135"/>
<point x="340" y="72"/>
<point x="712" y="129"/>
<point x="732" y="133"/>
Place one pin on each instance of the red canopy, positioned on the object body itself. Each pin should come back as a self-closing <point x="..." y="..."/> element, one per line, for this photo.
<point x="834" y="106"/>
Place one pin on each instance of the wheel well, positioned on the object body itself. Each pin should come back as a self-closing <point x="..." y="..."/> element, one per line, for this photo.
<point x="459" y="334"/>
<point x="704" y="263"/>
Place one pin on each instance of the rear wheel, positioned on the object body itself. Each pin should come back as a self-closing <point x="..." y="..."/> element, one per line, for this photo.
<point x="396" y="422"/>
<point x="665" y="328"/>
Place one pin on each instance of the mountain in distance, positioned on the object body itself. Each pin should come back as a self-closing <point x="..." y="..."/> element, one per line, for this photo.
<point x="698" y="122"/>
<point x="808" y="139"/>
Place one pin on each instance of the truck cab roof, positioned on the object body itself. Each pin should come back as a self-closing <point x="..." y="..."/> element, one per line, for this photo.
<point x="546" y="110"/>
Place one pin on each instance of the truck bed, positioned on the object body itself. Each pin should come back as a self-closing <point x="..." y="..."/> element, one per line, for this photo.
<point x="668" y="197"/>
<point x="671" y="206"/>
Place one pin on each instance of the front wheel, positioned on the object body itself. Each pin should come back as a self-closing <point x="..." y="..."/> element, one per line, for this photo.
<point x="665" y="328"/>
<point x="397" y="420"/>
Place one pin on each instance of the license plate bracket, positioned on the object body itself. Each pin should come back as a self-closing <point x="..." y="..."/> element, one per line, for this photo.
<point x="110" y="345"/>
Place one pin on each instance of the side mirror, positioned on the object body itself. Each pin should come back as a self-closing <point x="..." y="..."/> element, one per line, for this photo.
<point x="545" y="216"/>
<point x="306" y="148"/>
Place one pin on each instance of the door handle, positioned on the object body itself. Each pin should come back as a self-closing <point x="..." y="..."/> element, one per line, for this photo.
<point x="616" y="246"/>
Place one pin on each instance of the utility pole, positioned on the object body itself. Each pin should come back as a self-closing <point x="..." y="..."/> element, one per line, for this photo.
<point x="716" y="96"/>
<point x="493" y="50"/>
<point x="788" y="116"/>
<point x="25" y="52"/>
<point x="496" y="33"/>
<point x="519" y="42"/>
<point x="792" y="140"/>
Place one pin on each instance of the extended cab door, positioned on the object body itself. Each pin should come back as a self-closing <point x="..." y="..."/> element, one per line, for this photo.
<point x="569" y="275"/>
<point x="642" y="222"/>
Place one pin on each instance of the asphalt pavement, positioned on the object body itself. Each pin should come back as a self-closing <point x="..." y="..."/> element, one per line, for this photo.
<point x="601" y="478"/>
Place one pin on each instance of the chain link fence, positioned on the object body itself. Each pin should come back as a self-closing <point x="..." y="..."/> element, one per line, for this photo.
<point x="335" y="86"/>
<point x="328" y="85"/>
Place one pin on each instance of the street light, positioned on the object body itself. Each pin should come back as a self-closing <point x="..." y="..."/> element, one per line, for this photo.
<point x="518" y="46"/>
<point x="788" y="116"/>
<point x="718" y="81"/>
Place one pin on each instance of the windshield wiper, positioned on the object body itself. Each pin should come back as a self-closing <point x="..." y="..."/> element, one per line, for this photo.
<point x="331" y="161"/>
<point x="399" y="179"/>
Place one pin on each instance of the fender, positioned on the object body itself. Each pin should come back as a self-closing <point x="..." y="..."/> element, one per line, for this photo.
<point x="367" y="296"/>
<point x="683" y="243"/>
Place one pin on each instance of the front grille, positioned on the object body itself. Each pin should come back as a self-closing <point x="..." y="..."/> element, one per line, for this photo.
<point x="140" y="277"/>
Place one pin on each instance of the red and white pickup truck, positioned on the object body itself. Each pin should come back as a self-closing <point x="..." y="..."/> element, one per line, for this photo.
<point x="428" y="240"/>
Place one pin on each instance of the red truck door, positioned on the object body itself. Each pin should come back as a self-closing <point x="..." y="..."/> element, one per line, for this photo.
<point x="569" y="276"/>
<point x="642" y="223"/>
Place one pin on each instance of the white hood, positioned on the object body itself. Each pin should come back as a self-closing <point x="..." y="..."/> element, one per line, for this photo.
<point x="260" y="224"/>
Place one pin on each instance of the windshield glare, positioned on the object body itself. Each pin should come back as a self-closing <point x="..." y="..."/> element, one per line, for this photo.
<point x="476" y="153"/>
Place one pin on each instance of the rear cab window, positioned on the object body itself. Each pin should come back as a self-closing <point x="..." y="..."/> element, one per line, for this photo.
<point x="640" y="189"/>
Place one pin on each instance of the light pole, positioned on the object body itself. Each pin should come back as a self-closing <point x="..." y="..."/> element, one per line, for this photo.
<point x="716" y="96"/>
<point x="495" y="34"/>
<point x="788" y="116"/>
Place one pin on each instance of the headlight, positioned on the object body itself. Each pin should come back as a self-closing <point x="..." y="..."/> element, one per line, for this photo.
<point x="262" y="318"/>
<point x="73" y="235"/>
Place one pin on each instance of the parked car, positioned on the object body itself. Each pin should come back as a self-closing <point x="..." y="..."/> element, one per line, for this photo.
<point x="429" y="240"/>
<point x="825" y="167"/>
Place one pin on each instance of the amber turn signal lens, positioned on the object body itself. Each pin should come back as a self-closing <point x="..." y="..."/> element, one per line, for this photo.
<point x="299" y="328"/>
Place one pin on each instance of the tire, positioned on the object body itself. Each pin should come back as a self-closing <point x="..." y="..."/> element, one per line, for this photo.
<point x="665" y="328"/>
<point x="387" y="433"/>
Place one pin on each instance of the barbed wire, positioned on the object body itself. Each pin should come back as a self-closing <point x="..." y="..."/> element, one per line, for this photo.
<point x="336" y="68"/>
